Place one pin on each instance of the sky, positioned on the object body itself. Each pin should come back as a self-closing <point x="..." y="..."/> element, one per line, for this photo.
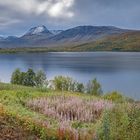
<point x="18" y="16"/>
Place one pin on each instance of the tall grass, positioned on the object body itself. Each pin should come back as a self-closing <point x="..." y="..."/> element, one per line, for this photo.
<point x="70" y="112"/>
<point x="70" y="108"/>
<point x="121" y="123"/>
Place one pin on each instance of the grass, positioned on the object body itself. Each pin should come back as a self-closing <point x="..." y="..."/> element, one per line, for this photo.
<point x="51" y="115"/>
<point x="10" y="128"/>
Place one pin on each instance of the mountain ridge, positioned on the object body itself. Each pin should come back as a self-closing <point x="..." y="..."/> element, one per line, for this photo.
<point x="40" y="36"/>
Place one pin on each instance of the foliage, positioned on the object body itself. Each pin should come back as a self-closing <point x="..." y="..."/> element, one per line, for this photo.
<point x="80" y="87"/>
<point x="16" y="77"/>
<point x="114" y="96"/>
<point x="63" y="83"/>
<point x="94" y="87"/>
<point x="40" y="78"/>
<point x="10" y="127"/>
<point x="121" y="123"/>
<point x="29" y="78"/>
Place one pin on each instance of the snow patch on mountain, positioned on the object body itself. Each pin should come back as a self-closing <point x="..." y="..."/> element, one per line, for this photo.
<point x="39" y="30"/>
<point x="56" y="32"/>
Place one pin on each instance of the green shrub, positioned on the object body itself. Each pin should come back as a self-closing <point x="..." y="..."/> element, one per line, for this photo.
<point x="114" y="96"/>
<point x="94" y="87"/>
<point x="16" y="77"/>
<point x="121" y="123"/>
<point x="63" y="83"/>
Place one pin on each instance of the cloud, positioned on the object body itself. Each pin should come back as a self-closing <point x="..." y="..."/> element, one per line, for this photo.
<point x="7" y="21"/>
<point x="52" y="8"/>
<point x="60" y="9"/>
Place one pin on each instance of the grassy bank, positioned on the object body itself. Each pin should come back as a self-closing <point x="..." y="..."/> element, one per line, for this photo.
<point x="52" y="115"/>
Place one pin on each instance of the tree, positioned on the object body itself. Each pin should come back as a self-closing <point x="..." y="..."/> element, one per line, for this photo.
<point x="94" y="88"/>
<point x="67" y="84"/>
<point x="58" y="82"/>
<point x="79" y="87"/>
<point x="22" y="78"/>
<point x="40" y="78"/>
<point x="16" y="77"/>
<point x="62" y="83"/>
<point x="29" y="78"/>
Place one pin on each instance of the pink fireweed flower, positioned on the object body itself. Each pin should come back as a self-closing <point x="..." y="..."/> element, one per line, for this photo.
<point x="69" y="108"/>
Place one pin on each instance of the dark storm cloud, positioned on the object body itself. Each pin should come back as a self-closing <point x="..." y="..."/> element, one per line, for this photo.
<point x="17" y="16"/>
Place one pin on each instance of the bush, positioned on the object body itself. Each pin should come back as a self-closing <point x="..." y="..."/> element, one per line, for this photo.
<point x="16" y="77"/>
<point x="94" y="88"/>
<point x="62" y="83"/>
<point x="114" y="96"/>
<point x="121" y="123"/>
<point x="67" y="84"/>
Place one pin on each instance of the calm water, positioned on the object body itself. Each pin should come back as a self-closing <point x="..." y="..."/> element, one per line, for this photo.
<point x="115" y="71"/>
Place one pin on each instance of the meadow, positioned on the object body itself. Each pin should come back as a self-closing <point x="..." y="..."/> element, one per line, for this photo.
<point x="44" y="114"/>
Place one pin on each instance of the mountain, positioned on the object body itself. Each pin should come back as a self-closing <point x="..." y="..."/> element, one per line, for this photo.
<point x="40" y="36"/>
<point x="79" y="34"/>
<point x="38" y="31"/>
<point x="33" y="36"/>
<point x="11" y="38"/>
<point x="87" y="33"/>
<point x="129" y="41"/>
<point x="1" y="38"/>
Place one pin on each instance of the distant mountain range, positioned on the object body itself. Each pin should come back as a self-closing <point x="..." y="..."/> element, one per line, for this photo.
<point x="85" y="38"/>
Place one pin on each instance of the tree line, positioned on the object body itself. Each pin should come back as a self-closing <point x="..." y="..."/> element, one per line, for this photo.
<point x="60" y="83"/>
<point x="29" y="78"/>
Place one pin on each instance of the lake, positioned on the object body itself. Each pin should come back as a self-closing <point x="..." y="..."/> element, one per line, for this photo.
<point x="118" y="71"/>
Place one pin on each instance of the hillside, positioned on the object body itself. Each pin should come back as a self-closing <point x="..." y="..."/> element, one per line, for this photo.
<point x="124" y="42"/>
<point x="53" y="115"/>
